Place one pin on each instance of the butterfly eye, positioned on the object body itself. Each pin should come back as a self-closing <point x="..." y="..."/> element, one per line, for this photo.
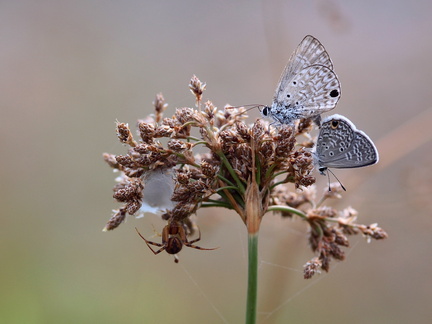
<point x="334" y="93"/>
<point x="265" y="111"/>
<point x="334" y="124"/>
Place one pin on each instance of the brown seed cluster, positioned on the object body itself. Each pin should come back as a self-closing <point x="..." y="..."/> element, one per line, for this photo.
<point x="216" y="159"/>
<point x="329" y="227"/>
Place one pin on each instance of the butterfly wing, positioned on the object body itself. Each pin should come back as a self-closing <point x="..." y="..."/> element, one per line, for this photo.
<point x="341" y="145"/>
<point x="312" y="91"/>
<point x="309" y="52"/>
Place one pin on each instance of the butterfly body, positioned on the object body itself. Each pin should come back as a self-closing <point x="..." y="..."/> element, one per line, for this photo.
<point x="341" y="145"/>
<point x="308" y="86"/>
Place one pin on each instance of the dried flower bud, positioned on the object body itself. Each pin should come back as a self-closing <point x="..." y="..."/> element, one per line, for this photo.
<point x="183" y="178"/>
<point x="163" y="131"/>
<point x="115" y="220"/>
<point x="209" y="170"/>
<point x="133" y="206"/>
<point x="373" y="231"/>
<point x="143" y="148"/>
<point x="185" y="114"/>
<point x="124" y="134"/>
<point x="312" y="267"/>
<point x="147" y="131"/>
<point x="210" y="111"/>
<point x="183" y="210"/>
<point x="340" y="238"/>
<point x="125" y="160"/>
<point x="178" y="146"/>
<point x="285" y="142"/>
<point x="111" y="160"/>
<point x="160" y="106"/>
<point x="336" y="252"/>
<point x="243" y="131"/>
<point x="130" y="190"/>
<point x="197" y="88"/>
<point x="258" y="131"/>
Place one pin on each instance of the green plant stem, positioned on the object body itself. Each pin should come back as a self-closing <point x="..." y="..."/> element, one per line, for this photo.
<point x="287" y="209"/>
<point x="231" y="171"/>
<point x="252" y="291"/>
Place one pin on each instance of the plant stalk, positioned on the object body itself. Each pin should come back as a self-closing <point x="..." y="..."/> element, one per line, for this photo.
<point x="252" y="291"/>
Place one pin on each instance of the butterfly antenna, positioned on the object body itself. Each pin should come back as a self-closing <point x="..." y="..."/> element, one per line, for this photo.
<point x="251" y="106"/>
<point x="334" y="175"/>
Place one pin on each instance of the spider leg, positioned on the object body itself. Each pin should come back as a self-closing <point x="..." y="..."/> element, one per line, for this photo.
<point x="163" y="247"/>
<point x="198" y="247"/>
<point x="193" y="241"/>
<point x="189" y="243"/>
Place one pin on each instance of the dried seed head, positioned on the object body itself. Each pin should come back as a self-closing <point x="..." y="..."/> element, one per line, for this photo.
<point x="163" y="131"/>
<point x="312" y="267"/>
<point x="125" y="160"/>
<point x="197" y="88"/>
<point x="302" y="164"/>
<point x="124" y="134"/>
<point x="147" y="131"/>
<point x="185" y="114"/>
<point x="339" y="237"/>
<point x="258" y="131"/>
<point x="209" y="170"/>
<point x="243" y="131"/>
<point x="325" y="260"/>
<point x="130" y="190"/>
<point x="373" y="231"/>
<point x="335" y="251"/>
<point x="266" y="152"/>
<point x="232" y="115"/>
<point x="284" y="196"/>
<point x="178" y="146"/>
<point x="111" y="160"/>
<point x="118" y="218"/>
<point x="228" y="140"/>
<point x="183" y="210"/>
<point x="210" y="111"/>
<point x="160" y="106"/>
<point x="133" y="206"/>
<point x="285" y="142"/>
<point x="323" y="211"/>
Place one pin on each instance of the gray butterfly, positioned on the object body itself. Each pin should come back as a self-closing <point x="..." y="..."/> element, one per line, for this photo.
<point x="341" y="145"/>
<point x="308" y="86"/>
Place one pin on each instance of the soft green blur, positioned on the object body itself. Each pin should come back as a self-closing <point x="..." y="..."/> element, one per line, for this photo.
<point x="70" y="69"/>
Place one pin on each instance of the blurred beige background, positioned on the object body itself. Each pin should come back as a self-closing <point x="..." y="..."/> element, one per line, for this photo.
<point x="69" y="69"/>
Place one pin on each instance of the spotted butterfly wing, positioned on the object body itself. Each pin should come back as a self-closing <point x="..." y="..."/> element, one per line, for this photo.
<point x="312" y="91"/>
<point x="341" y="145"/>
<point x="309" y="52"/>
<point x="308" y="86"/>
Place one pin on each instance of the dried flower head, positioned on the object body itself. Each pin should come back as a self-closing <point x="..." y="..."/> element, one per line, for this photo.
<point x="213" y="158"/>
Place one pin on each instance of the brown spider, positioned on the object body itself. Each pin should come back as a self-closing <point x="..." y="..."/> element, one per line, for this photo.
<point x="173" y="239"/>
